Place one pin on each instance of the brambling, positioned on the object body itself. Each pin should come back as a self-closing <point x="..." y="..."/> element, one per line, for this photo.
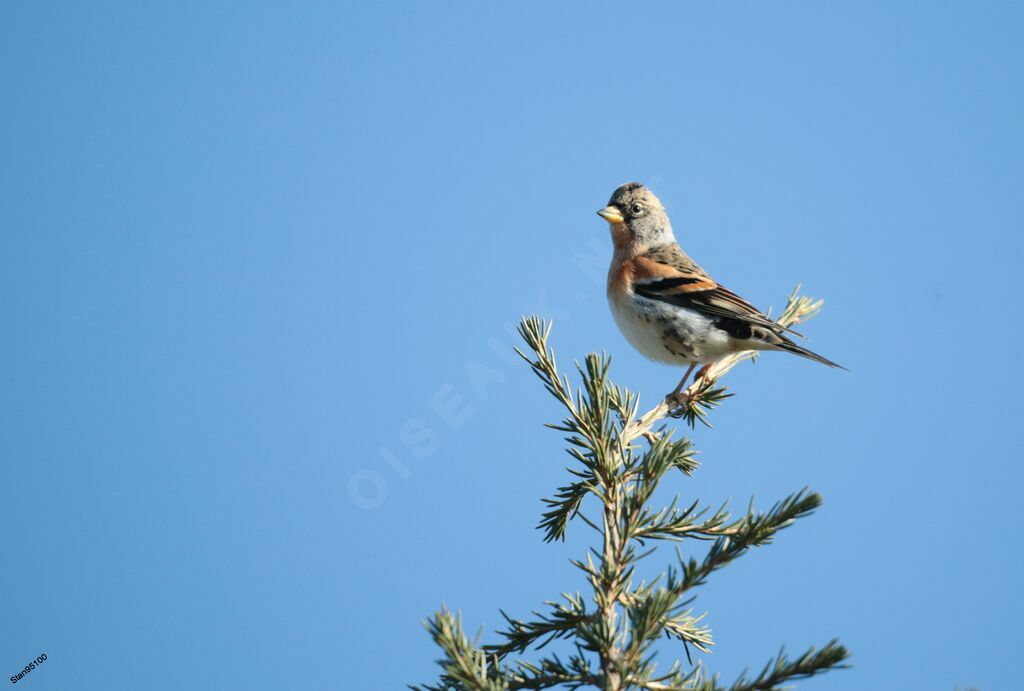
<point x="668" y="307"/>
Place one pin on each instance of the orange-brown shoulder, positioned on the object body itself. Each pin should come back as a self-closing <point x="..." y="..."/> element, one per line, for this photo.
<point x="671" y="271"/>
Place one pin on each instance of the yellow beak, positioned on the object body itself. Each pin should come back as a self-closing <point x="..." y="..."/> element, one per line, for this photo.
<point x="611" y="214"/>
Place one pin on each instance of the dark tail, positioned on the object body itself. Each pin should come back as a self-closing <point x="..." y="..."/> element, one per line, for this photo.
<point x="791" y="347"/>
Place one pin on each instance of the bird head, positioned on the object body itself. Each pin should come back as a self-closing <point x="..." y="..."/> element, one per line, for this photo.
<point x="637" y="218"/>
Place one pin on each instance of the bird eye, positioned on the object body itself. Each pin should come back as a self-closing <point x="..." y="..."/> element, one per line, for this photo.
<point x="636" y="209"/>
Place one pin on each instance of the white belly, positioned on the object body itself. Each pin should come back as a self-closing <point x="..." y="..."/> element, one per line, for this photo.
<point x="667" y="333"/>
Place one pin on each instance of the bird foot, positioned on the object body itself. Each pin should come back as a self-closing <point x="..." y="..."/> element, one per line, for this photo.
<point x="651" y="437"/>
<point x="679" y="402"/>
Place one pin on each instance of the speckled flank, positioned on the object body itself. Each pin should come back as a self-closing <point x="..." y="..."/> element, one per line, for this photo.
<point x="668" y="334"/>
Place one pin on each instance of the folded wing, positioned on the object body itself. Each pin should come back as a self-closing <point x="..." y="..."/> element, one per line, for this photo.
<point x="668" y="275"/>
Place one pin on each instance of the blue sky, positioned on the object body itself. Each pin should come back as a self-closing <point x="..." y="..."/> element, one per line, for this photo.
<point x="259" y="266"/>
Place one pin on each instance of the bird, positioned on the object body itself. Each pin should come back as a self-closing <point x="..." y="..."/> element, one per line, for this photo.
<point x="667" y="306"/>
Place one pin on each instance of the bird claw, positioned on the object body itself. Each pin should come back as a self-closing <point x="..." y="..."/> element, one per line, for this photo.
<point x="651" y="437"/>
<point x="681" y="400"/>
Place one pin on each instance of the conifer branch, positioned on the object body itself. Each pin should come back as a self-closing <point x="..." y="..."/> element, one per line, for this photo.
<point x="551" y="671"/>
<point x="753" y="530"/>
<point x="780" y="670"/>
<point x="604" y="430"/>
<point x="562" y="620"/>
<point x="777" y="672"/>
<point x="466" y="667"/>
